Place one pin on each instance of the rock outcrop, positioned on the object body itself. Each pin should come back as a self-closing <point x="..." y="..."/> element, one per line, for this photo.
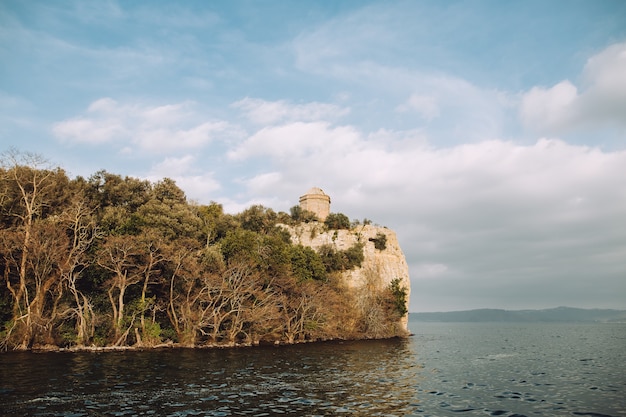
<point x="380" y="266"/>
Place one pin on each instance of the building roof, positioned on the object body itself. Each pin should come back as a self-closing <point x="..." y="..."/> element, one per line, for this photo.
<point x="315" y="191"/>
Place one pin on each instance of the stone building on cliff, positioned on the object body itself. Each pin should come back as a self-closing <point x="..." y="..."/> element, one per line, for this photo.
<point x="380" y="266"/>
<point x="316" y="201"/>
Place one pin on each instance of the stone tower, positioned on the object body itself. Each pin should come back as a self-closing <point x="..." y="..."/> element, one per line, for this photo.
<point x="317" y="201"/>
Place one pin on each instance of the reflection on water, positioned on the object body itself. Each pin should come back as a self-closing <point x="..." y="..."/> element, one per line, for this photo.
<point x="352" y="378"/>
<point x="444" y="370"/>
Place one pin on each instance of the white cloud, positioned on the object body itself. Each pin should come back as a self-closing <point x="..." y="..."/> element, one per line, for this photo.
<point x="297" y="140"/>
<point x="157" y="129"/>
<point x="605" y="71"/>
<point x="548" y="174"/>
<point x="270" y="112"/>
<point x="173" y="167"/>
<point x="169" y="138"/>
<point x="493" y="217"/>
<point x="85" y="130"/>
<point x="264" y="184"/>
<point x="599" y="101"/>
<point x="549" y="109"/>
<point x="199" y="185"/>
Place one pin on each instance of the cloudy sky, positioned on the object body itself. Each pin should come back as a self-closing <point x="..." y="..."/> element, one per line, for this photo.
<point x="490" y="135"/>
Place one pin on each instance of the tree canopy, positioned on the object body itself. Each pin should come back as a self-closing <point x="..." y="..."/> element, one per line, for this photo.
<point x="118" y="261"/>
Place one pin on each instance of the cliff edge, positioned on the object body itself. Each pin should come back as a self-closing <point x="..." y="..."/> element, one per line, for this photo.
<point x="379" y="267"/>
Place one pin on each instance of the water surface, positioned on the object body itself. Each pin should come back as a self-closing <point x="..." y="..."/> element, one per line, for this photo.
<point x="444" y="370"/>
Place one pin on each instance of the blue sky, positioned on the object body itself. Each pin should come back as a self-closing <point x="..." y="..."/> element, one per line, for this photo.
<point x="490" y="135"/>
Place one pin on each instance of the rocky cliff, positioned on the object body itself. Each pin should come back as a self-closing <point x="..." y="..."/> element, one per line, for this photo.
<point x="380" y="266"/>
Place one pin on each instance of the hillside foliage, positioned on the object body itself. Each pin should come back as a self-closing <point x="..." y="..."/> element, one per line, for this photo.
<point x="119" y="261"/>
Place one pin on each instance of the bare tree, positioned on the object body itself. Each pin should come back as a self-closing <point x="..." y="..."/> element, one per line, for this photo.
<point x="119" y="255"/>
<point x="26" y="185"/>
<point x="251" y="303"/>
<point x="185" y="290"/>
<point x="301" y="311"/>
<point x="372" y="303"/>
<point x="219" y="308"/>
<point x="152" y="257"/>
<point x="48" y="249"/>
<point x="83" y="233"/>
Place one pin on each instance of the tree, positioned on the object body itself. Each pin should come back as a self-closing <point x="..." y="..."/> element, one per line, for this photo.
<point x="33" y="281"/>
<point x="299" y="215"/>
<point x="246" y="299"/>
<point x="274" y="256"/>
<point x="168" y="214"/>
<point x="120" y="256"/>
<point x="213" y="222"/>
<point x="241" y="245"/>
<point x="29" y="192"/>
<point x="398" y="297"/>
<point x="186" y="282"/>
<point x="370" y="303"/>
<point x="83" y="232"/>
<point x="306" y="264"/>
<point x="302" y="310"/>
<point x="257" y="219"/>
<point x="341" y="260"/>
<point x="152" y="256"/>
<point x="354" y="256"/>
<point x="337" y="221"/>
<point x="89" y="261"/>
<point x="117" y="200"/>
<point x="105" y="189"/>
<point x="220" y="308"/>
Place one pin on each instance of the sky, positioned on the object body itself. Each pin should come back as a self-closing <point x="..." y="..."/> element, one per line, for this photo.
<point x="489" y="135"/>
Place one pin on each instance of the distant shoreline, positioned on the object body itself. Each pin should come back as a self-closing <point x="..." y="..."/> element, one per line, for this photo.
<point x="552" y="315"/>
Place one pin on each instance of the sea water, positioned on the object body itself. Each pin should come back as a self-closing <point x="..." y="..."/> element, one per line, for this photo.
<point x="445" y="369"/>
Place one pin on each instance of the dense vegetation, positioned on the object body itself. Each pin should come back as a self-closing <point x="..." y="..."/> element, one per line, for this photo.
<point x="119" y="261"/>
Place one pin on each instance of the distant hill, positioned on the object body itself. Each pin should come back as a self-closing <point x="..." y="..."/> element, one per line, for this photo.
<point x="559" y="314"/>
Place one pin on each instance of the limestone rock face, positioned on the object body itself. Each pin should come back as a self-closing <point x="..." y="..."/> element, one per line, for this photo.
<point x="379" y="267"/>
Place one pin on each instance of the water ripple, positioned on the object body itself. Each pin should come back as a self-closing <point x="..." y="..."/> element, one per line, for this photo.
<point x="443" y="370"/>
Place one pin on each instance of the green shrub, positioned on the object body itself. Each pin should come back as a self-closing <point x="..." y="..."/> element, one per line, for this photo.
<point x="298" y="215"/>
<point x="336" y="221"/>
<point x="342" y="260"/>
<point x="306" y="264"/>
<point x="354" y="256"/>
<point x="380" y="241"/>
<point x="399" y="295"/>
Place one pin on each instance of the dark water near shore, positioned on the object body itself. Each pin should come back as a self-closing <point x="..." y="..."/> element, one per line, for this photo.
<point x="446" y="369"/>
